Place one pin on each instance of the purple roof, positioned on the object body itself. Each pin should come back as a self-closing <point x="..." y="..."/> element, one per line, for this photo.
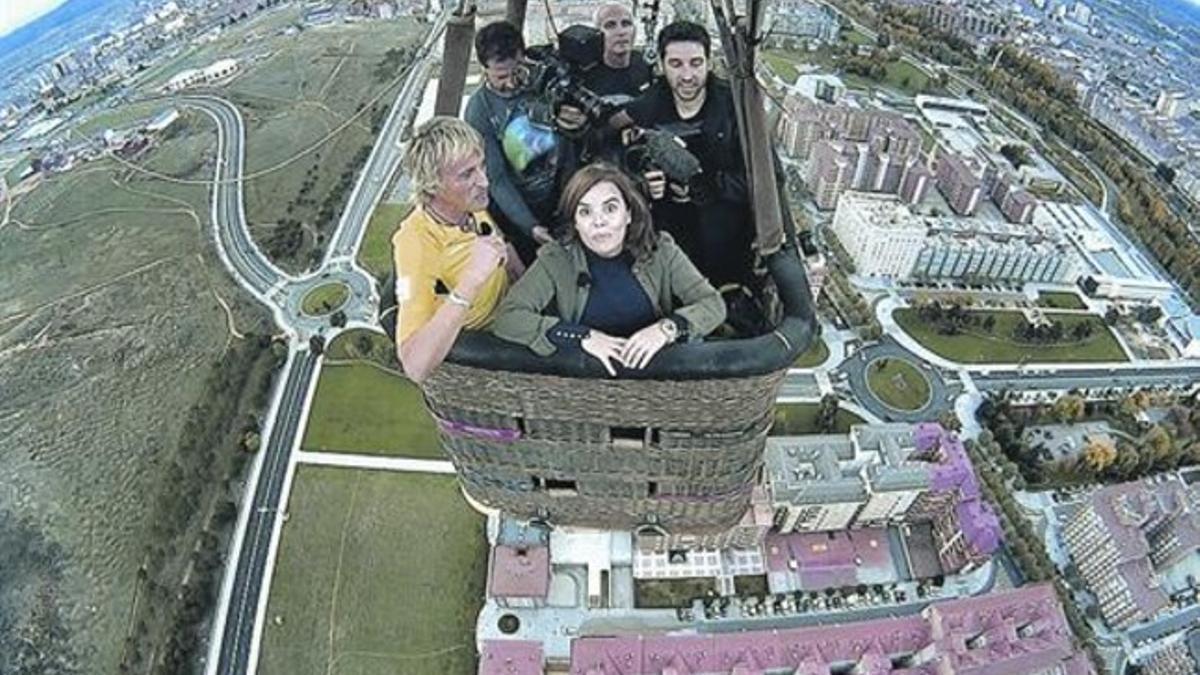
<point x="1129" y="512"/>
<point x="1016" y="631"/>
<point x="828" y="559"/>
<point x="511" y="657"/>
<point x="519" y="572"/>
<point x="954" y="471"/>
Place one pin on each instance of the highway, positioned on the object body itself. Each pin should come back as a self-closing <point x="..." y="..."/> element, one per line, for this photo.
<point x="233" y="648"/>
<point x="251" y="565"/>
<point x="386" y="154"/>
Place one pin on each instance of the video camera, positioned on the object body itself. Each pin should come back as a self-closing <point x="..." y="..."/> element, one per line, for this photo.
<point x="656" y="150"/>
<point x="555" y="76"/>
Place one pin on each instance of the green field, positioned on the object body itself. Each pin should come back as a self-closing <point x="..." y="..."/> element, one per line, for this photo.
<point x="1055" y="300"/>
<point x="906" y="77"/>
<point x="375" y="254"/>
<point x="378" y="573"/>
<point x="782" y="63"/>
<point x="815" y="355"/>
<point x="325" y="299"/>
<point x="898" y="384"/>
<point x="976" y="347"/>
<point x="671" y="593"/>
<point x="799" y="419"/>
<point x="857" y="37"/>
<point x="362" y="408"/>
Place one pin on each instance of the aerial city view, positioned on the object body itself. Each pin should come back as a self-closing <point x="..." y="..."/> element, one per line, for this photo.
<point x="587" y="337"/>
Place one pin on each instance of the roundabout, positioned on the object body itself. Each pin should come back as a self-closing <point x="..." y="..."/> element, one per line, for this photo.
<point x="896" y="386"/>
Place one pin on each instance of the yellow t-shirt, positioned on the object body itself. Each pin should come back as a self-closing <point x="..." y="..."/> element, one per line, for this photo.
<point x="425" y="252"/>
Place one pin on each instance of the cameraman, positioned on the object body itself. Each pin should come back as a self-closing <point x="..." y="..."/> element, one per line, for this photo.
<point x="711" y="217"/>
<point x="526" y="162"/>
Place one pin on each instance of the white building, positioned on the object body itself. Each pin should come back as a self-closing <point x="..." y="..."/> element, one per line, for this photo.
<point x="879" y="232"/>
<point x="884" y="238"/>
<point x="196" y="76"/>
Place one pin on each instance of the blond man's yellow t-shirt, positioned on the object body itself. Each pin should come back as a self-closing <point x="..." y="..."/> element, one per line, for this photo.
<point x="426" y="252"/>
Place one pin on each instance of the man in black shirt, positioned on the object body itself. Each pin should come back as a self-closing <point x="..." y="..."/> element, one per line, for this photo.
<point x="624" y="72"/>
<point x="711" y="217"/>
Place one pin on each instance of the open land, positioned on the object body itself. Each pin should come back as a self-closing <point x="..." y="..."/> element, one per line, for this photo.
<point x="311" y="100"/>
<point x="364" y="405"/>
<point x="109" y="325"/>
<point x="375" y="254"/>
<point x="998" y="346"/>
<point x="378" y="572"/>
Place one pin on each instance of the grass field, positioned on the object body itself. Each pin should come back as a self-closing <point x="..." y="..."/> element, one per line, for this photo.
<point x="1063" y="300"/>
<point x="378" y="573"/>
<point x="799" y="419"/>
<point x="325" y="299"/>
<point x="815" y="355"/>
<point x="898" y="384"/>
<point x="109" y="326"/>
<point x="857" y="37"/>
<point x="375" y="254"/>
<point x="121" y="117"/>
<point x="906" y="77"/>
<point x="361" y="408"/>
<point x="973" y="347"/>
<point x="781" y="63"/>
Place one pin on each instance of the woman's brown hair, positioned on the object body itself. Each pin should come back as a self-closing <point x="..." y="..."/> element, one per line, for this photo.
<point x="640" y="237"/>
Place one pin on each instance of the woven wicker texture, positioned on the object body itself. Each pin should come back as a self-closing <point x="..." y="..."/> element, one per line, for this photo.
<point x="605" y="453"/>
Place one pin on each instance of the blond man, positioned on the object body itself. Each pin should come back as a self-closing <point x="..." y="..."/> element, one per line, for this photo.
<point x="452" y="264"/>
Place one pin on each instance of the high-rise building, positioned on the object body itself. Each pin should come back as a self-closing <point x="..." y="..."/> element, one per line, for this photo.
<point x="879" y="233"/>
<point x="960" y="181"/>
<point x="915" y="180"/>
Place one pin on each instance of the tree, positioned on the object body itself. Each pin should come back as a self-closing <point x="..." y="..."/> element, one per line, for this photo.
<point x="1099" y="453"/>
<point x="1165" y="172"/>
<point x="1069" y="408"/>
<point x="827" y="413"/>
<point x="1158" y="441"/>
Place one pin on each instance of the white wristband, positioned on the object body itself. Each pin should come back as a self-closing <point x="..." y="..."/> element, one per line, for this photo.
<point x="455" y="299"/>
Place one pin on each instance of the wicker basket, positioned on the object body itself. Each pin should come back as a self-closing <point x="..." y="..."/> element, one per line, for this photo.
<point x="678" y="445"/>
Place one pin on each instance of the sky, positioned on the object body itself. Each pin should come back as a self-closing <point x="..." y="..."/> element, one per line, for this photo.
<point x="17" y="13"/>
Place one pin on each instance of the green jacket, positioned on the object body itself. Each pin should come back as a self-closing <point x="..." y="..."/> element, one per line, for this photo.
<point x="552" y="283"/>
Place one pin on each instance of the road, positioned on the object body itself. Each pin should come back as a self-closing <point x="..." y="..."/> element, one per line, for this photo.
<point x="248" y="575"/>
<point x="233" y="649"/>
<point x="237" y="247"/>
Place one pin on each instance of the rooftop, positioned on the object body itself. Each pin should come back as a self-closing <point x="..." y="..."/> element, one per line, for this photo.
<point x="1006" y="632"/>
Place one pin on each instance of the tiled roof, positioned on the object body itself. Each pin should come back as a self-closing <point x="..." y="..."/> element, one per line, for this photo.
<point x="1018" y="631"/>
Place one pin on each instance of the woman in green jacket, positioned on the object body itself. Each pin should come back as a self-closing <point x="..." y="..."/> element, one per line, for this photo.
<point x="610" y="285"/>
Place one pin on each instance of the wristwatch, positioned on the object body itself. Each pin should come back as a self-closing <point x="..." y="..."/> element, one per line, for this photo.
<point x="669" y="329"/>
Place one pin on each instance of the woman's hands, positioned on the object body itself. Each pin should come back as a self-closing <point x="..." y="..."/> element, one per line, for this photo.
<point x="634" y="352"/>
<point x="643" y="345"/>
<point x="604" y="347"/>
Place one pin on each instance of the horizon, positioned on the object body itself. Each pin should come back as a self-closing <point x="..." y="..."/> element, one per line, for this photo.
<point x="18" y="15"/>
